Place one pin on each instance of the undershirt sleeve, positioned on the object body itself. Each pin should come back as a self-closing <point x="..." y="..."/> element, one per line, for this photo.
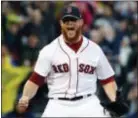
<point x="37" y="79"/>
<point x="107" y="80"/>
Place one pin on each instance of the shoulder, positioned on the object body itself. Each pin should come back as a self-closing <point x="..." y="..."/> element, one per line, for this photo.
<point x="49" y="49"/>
<point x="93" y="45"/>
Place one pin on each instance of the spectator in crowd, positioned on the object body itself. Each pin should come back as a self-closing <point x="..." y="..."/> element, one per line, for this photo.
<point x="41" y="21"/>
<point x="30" y="50"/>
<point x="133" y="97"/>
<point x="4" y="54"/>
<point x="125" y="52"/>
<point x="132" y="93"/>
<point x="11" y="34"/>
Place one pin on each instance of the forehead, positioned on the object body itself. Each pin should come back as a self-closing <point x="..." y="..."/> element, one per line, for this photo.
<point x="71" y="19"/>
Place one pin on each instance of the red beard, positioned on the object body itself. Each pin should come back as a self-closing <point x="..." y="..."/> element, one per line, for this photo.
<point x="75" y="38"/>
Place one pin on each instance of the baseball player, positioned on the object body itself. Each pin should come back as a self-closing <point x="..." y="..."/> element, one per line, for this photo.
<point x="71" y="65"/>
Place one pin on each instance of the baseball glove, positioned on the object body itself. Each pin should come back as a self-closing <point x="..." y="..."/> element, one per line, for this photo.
<point x="117" y="108"/>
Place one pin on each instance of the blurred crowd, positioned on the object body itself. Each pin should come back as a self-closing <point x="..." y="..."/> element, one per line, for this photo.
<point x="29" y="25"/>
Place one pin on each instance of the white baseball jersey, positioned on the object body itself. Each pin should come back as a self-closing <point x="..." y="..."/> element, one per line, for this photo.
<point x="70" y="74"/>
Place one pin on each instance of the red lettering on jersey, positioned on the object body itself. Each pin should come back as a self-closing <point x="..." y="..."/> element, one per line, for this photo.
<point x="87" y="67"/>
<point x="92" y="70"/>
<point x="65" y="67"/>
<point x="81" y="67"/>
<point x="55" y="69"/>
<point x="60" y="68"/>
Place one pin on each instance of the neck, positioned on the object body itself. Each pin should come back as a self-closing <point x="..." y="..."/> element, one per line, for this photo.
<point x="74" y="41"/>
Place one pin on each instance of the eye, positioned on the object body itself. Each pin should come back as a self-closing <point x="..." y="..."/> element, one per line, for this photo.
<point x="67" y="19"/>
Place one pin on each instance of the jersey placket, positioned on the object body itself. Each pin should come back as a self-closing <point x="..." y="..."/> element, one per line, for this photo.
<point x="71" y="92"/>
<point x="74" y="78"/>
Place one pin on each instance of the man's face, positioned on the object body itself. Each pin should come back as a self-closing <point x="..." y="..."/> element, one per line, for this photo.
<point x="71" y="28"/>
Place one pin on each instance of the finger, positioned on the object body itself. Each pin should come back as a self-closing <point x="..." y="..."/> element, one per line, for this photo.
<point x="23" y="101"/>
<point x="25" y="104"/>
<point x="21" y="108"/>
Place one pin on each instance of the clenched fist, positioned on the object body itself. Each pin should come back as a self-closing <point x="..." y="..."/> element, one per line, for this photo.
<point x="23" y="104"/>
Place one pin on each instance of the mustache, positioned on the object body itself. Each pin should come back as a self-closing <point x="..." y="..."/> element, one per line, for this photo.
<point x="70" y="28"/>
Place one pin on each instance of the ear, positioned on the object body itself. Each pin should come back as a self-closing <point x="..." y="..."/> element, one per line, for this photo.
<point x="61" y="23"/>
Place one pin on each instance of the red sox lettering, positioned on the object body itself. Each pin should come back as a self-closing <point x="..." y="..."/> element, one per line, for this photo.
<point x="83" y="68"/>
<point x="61" y="68"/>
<point x="86" y="68"/>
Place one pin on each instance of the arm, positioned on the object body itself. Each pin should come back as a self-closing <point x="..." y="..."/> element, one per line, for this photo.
<point x="110" y="90"/>
<point x="106" y="74"/>
<point x="32" y="85"/>
<point x="41" y="70"/>
<point x="30" y="90"/>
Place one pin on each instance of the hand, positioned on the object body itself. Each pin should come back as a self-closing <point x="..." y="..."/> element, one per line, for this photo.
<point x="23" y="104"/>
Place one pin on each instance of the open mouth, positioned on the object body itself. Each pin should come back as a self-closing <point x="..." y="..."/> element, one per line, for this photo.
<point x="71" y="29"/>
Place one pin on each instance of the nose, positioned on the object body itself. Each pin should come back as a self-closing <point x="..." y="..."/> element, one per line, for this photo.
<point x="70" y="23"/>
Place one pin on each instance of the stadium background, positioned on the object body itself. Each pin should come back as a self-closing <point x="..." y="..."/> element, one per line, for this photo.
<point x="28" y="26"/>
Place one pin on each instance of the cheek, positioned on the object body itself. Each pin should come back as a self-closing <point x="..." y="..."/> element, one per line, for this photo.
<point x="63" y="28"/>
<point x="78" y="25"/>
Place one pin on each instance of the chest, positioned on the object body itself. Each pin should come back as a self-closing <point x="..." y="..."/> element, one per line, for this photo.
<point x="84" y="63"/>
